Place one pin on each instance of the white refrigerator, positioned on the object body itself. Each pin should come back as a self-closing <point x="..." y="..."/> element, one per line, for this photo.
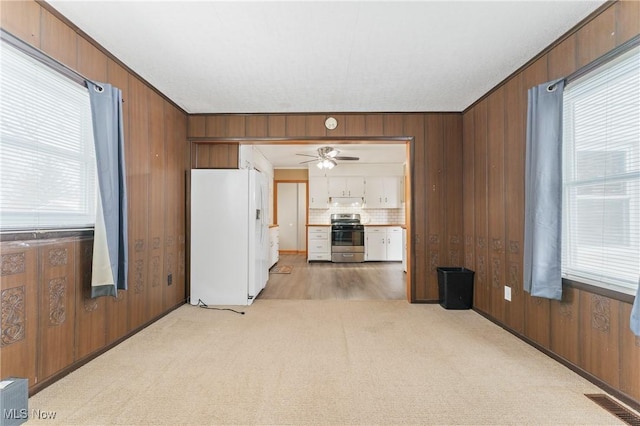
<point x="229" y="236"/>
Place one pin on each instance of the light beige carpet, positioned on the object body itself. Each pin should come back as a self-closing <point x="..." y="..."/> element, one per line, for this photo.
<point x="322" y="362"/>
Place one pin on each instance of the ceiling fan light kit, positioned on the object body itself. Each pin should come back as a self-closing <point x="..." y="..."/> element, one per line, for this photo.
<point x="327" y="163"/>
<point x="326" y="157"/>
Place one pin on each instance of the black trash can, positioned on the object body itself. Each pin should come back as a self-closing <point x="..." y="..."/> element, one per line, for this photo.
<point x="455" y="287"/>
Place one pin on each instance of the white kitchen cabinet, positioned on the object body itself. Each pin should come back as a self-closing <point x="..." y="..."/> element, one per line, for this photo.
<point x="382" y="192"/>
<point x="346" y="186"/>
<point x="375" y="243"/>
<point x="319" y="243"/>
<point x="383" y="243"/>
<point x="394" y="243"/>
<point x="318" y="192"/>
<point x="274" y="245"/>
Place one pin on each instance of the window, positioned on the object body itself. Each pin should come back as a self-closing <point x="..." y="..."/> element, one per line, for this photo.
<point x="601" y="189"/>
<point x="47" y="159"/>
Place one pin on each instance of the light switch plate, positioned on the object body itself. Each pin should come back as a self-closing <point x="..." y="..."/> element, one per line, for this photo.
<point x="507" y="293"/>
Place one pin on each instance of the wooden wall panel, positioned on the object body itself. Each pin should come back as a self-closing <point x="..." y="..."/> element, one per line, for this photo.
<point x="435" y="200"/>
<point x="19" y="308"/>
<point x="482" y="289"/>
<point x="392" y="125"/>
<point x="256" y="126"/>
<point x="565" y="325"/>
<point x="597" y="38"/>
<point x="92" y="63"/>
<point x="468" y="189"/>
<point x="599" y="334"/>
<point x="22" y="19"/>
<point x="496" y="203"/>
<point x="296" y="126"/>
<point x="138" y="172"/>
<point x="197" y="126"/>
<point x="277" y="126"/>
<point x="156" y="214"/>
<point x="452" y="128"/>
<point x="414" y="126"/>
<point x="629" y="355"/>
<point x="627" y="20"/>
<point x="90" y="320"/>
<point x="562" y="59"/>
<point x="57" y="308"/>
<point x="182" y="155"/>
<point x="315" y="125"/>
<point x="356" y="125"/>
<point x="374" y="124"/>
<point x="58" y="40"/>
<point x="514" y="199"/>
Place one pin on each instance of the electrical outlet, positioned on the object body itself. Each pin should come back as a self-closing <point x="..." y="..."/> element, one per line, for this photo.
<point x="507" y="293"/>
<point x="169" y="279"/>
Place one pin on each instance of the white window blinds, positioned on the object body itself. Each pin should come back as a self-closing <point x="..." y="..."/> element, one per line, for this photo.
<point x="47" y="160"/>
<point x="601" y="195"/>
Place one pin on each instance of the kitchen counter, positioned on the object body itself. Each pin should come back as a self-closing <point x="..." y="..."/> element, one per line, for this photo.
<point x="318" y="224"/>
<point x="275" y="225"/>
<point x="385" y="224"/>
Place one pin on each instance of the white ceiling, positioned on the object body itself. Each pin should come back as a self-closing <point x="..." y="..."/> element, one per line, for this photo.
<point x="311" y="56"/>
<point x="308" y="56"/>
<point x="286" y="156"/>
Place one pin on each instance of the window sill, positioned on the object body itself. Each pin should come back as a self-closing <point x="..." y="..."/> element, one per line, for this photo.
<point x="44" y="234"/>
<point x="600" y="291"/>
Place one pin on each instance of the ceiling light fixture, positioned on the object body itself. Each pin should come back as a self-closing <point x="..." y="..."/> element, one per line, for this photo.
<point x="327" y="163"/>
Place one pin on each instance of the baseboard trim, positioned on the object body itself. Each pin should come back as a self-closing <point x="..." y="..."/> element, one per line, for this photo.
<point x="571" y="366"/>
<point x="77" y="364"/>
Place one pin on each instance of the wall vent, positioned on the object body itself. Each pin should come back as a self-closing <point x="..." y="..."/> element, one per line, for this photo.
<point x="614" y="408"/>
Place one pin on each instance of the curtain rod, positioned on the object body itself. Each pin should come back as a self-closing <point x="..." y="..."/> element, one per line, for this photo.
<point x="43" y="58"/>
<point x="609" y="56"/>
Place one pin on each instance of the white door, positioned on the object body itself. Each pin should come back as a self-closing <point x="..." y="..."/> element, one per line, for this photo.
<point x="292" y="208"/>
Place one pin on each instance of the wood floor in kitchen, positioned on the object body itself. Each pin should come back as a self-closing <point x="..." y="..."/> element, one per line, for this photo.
<point x="325" y="280"/>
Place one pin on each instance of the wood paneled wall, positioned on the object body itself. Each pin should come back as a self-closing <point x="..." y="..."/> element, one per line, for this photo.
<point x="437" y="165"/>
<point x="48" y="322"/>
<point x="590" y="331"/>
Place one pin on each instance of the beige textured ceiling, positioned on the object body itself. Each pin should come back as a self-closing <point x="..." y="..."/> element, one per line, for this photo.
<point x="255" y="57"/>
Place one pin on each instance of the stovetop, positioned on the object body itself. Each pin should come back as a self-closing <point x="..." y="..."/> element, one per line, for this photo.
<point x="345" y="219"/>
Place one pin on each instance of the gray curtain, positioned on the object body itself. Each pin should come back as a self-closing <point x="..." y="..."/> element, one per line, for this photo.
<point x="635" y="313"/>
<point x="543" y="192"/>
<point x="110" y="257"/>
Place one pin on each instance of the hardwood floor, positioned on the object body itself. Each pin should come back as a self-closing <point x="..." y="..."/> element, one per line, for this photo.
<point x="325" y="280"/>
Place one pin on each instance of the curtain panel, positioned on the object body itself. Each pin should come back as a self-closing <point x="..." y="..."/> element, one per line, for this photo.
<point x="110" y="257"/>
<point x="543" y="192"/>
<point x="635" y="313"/>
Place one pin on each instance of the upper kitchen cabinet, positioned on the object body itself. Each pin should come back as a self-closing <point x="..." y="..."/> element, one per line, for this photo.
<point x="382" y="192"/>
<point x="318" y="192"/>
<point x="342" y="186"/>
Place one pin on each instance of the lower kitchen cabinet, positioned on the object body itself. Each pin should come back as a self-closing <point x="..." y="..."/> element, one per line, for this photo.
<point x="383" y="243"/>
<point x="274" y="245"/>
<point x="319" y="243"/>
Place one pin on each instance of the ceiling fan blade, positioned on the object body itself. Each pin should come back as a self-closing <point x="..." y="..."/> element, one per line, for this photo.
<point x="346" y="158"/>
<point x="308" y="161"/>
<point x="307" y="155"/>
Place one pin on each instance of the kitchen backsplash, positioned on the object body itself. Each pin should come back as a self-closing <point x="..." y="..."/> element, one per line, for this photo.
<point x="373" y="216"/>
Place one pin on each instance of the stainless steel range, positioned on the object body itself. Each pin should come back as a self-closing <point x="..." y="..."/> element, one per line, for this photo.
<point x="347" y="238"/>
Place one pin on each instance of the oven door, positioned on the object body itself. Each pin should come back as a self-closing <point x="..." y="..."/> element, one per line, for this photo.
<point x="347" y="240"/>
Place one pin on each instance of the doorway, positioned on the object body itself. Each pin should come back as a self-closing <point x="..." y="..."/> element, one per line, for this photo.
<point x="291" y="216"/>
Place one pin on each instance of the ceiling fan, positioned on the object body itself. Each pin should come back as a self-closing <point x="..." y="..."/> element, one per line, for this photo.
<point x="326" y="157"/>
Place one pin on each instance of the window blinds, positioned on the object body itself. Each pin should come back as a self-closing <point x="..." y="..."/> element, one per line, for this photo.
<point x="47" y="160"/>
<point x="601" y="158"/>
